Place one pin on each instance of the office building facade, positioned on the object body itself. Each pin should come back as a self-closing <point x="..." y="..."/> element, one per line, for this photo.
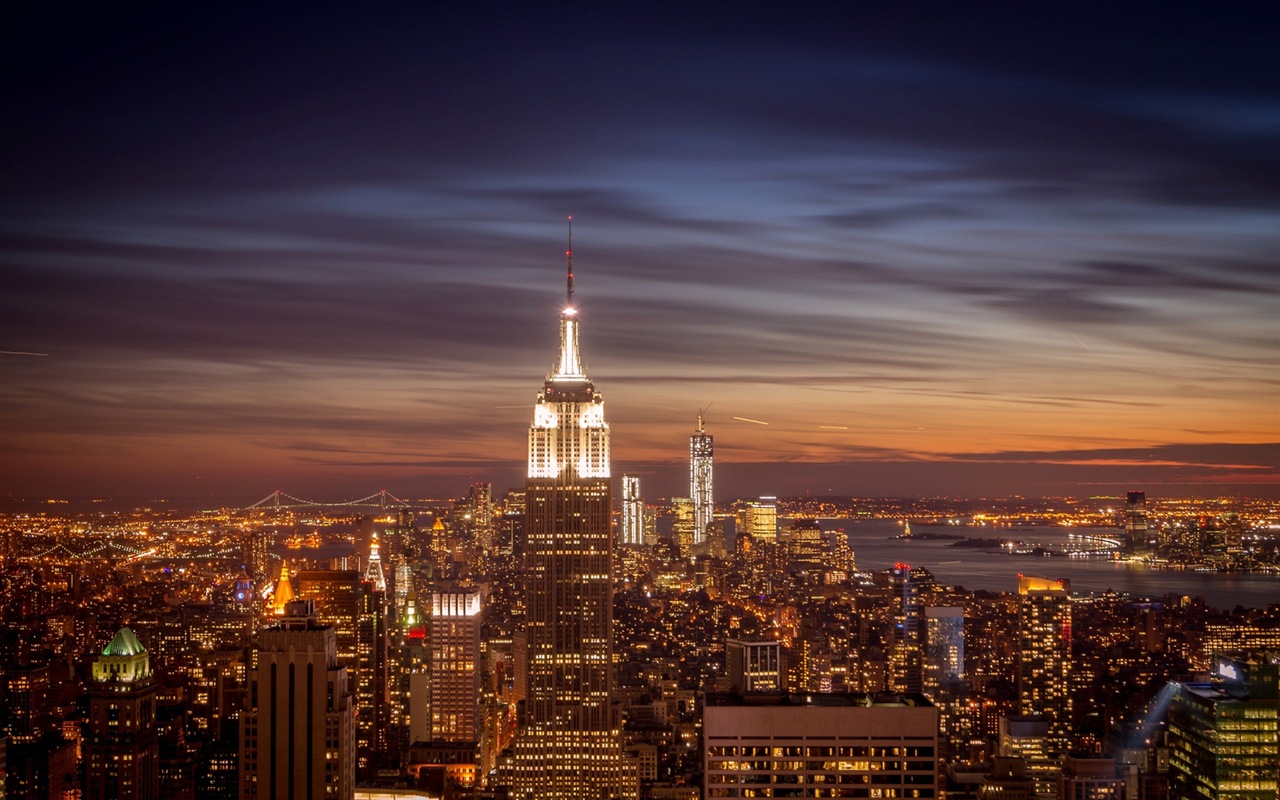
<point x="759" y="518"/>
<point x="297" y="734"/>
<point x="632" y="512"/>
<point x="820" y="745"/>
<point x="355" y="606"/>
<point x="454" y="665"/>
<point x="1136" y="534"/>
<point x="754" y="666"/>
<point x="1223" y="734"/>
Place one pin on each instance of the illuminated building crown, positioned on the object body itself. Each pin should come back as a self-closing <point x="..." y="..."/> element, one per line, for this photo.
<point x="123" y="661"/>
<point x="569" y="438"/>
<point x="373" y="572"/>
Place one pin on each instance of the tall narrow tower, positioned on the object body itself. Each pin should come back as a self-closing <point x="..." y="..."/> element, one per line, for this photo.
<point x="569" y="746"/>
<point x="700" y="461"/>
<point x="632" y="512"/>
<point x="373" y="573"/>
<point x="122" y="749"/>
<point x="1136" y="536"/>
<point x="455" y="665"/>
<point x="1044" y="656"/>
<point x="355" y="607"/>
<point x="297" y="736"/>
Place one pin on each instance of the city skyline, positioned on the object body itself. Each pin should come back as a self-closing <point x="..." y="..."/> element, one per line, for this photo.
<point x="936" y="256"/>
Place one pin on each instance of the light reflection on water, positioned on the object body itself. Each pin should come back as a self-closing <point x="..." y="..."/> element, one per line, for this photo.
<point x="989" y="569"/>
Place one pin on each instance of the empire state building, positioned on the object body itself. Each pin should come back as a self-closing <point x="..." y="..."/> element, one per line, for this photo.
<point x="569" y="745"/>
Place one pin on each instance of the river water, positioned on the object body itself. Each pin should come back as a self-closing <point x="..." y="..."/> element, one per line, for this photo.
<point x="988" y="568"/>
<point x="993" y="570"/>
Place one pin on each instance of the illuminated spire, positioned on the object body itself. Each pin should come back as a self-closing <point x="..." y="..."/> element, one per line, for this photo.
<point x="569" y="367"/>
<point x="569" y="436"/>
<point x="283" y="594"/>
<point x="373" y="572"/>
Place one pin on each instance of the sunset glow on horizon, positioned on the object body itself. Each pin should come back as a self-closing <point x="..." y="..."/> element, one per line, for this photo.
<point x="896" y="257"/>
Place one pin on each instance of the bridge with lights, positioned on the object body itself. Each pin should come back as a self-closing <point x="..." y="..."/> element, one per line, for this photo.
<point x="282" y="500"/>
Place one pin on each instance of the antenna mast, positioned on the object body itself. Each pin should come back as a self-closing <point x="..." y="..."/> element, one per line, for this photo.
<point x="569" y="255"/>
<point x="702" y="413"/>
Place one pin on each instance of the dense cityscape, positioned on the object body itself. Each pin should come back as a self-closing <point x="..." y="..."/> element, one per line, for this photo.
<point x="554" y="643"/>
<point x="941" y="458"/>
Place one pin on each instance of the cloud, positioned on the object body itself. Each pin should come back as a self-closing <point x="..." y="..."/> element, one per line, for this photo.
<point x="276" y="231"/>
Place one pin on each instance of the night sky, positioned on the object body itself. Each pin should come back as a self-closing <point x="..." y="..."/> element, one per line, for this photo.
<point x="951" y="249"/>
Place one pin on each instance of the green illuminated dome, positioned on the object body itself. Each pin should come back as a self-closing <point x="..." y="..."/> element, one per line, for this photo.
<point x="124" y="661"/>
<point x="124" y="644"/>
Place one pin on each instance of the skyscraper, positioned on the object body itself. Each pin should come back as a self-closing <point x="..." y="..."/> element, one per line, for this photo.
<point x="438" y="551"/>
<point x="356" y="609"/>
<point x="909" y="622"/>
<point x="455" y="665"/>
<point x="759" y="518"/>
<point x="282" y="594"/>
<point x="632" y="512"/>
<point x="683" y="522"/>
<point x="943" y="649"/>
<point x="1222" y="734"/>
<point x="943" y="674"/>
<point x="569" y="745"/>
<point x="481" y="497"/>
<point x="473" y="523"/>
<point x="373" y="573"/>
<point x="1137" y="539"/>
<point x="297" y="736"/>
<point x="122" y="750"/>
<point x="754" y="666"/>
<point x="1044" y="656"/>
<point x="700" y="489"/>
<point x="257" y="553"/>
<point x="402" y="553"/>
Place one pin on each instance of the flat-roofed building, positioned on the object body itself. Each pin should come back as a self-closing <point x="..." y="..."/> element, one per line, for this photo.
<point x="1027" y="737"/>
<point x="456" y="617"/>
<point x="754" y="666"/>
<point x="1044" y="658"/>
<point x="1223" y="734"/>
<point x="297" y="735"/>
<point x="1090" y="778"/>
<point x="820" y="745"/>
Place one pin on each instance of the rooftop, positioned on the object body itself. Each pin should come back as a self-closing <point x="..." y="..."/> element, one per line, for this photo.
<point x="124" y="644"/>
<point x="877" y="699"/>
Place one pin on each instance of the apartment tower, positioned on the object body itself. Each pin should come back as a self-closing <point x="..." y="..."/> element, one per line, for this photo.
<point x="1044" y="657"/>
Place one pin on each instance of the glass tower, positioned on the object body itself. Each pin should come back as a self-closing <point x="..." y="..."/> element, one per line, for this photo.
<point x="701" y="452"/>
<point x="632" y="512"/>
<point x="1222" y="734"/>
